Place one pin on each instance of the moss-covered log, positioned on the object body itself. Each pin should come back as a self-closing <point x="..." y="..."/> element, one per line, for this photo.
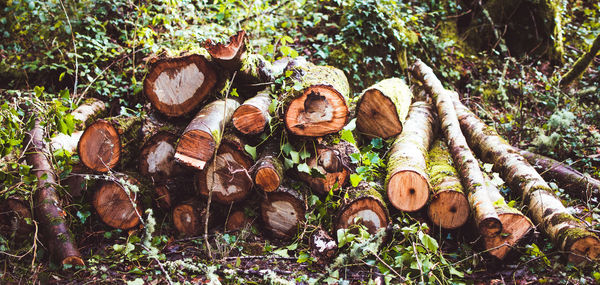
<point x="382" y="108"/>
<point x="89" y="111"/>
<point x="448" y="207"/>
<point x="582" y="64"/>
<point x="321" y="105"/>
<point x="48" y="210"/>
<point x="116" y="202"/>
<point x="485" y="215"/>
<point x="546" y="210"/>
<point x="407" y="182"/>
<point x="283" y="210"/>
<point x="363" y="205"/>
<point x="201" y="138"/>
<point x="253" y="115"/>
<point x="177" y="86"/>
<point x="268" y="169"/>
<point x="574" y="182"/>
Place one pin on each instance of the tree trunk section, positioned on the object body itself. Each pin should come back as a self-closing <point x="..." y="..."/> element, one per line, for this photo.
<point x="229" y="55"/>
<point x="189" y="217"/>
<point x="573" y="181"/>
<point x="201" y="138"/>
<point x="14" y="214"/>
<point x="321" y="105"/>
<point x="253" y="116"/>
<point x="268" y="169"/>
<point x="485" y="215"/>
<point x="89" y="111"/>
<point x="236" y="221"/>
<point x="117" y="204"/>
<point x="157" y="157"/>
<point x="177" y="86"/>
<point x="382" y="108"/>
<point x="364" y="205"/>
<point x="407" y="183"/>
<point x="227" y="176"/>
<point x="283" y="211"/>
<point x="582" y="64"/>
<point x="448" y="206"/>
<point x="547" y="211"/>
<point x="48" y="210"/>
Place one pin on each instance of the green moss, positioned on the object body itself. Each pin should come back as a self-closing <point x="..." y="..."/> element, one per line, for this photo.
<point x="563" y="218"/>
<point x="439" y="167"/>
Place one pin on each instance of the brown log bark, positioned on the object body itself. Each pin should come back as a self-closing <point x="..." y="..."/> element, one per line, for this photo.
<point x="177" y="86"/>
<point x="321" y="105"/>
<point x="116" y="202"/>
<point x="227" y="176"/>
<point x="448" y="207"/>
<point x="407" y="183"/>
<point x="88" y="112"/>
<point x="547" y="211"/>
<point x="253" y="116"/>
<point x="189" y="217"/>
<point x="48" y="210"/>
<point x="268" y="169"/>
<point x="573" y="181"/>
<point x="283" y="210"/>
<point x="364" y="205"/>
<point x="322" y="246"/>
<point x="201" y="138"/>
<point x="382" y="108"/>
<point x="14" y="214"/>
<point x="485" y="215"/>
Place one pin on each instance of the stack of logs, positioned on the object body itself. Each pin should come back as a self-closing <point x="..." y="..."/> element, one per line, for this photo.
<point x="206" y="159"/>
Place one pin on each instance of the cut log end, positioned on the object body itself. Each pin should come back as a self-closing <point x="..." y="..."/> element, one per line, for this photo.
<point x="490" y="227"/>
<point x="514" y="228"/>
<point x="227" y="177"/>
<point x="163" y="197"/>
<point x="377" y="116"/>
<point x="175" y="86"/>
<point x="249" y="120"/>
<point x="156" y="158"/>
<point x="188" y="219"/>
<point x="319" y="111"/>
<point x="584" y="250"/>
<point x="408" y="191"/>
<point x="281" y="213"/>
<point x="236" y="221"/>
<point x="449" y="209"/>
<point x="73" y="260"/>
<point x="230" y="51"/>
<point x="195" y="148"/>
<point x="267" y="179"/>
<point x="99" y="146"/>
<point x="366" y="211"/>
<point x="115" y="207"/>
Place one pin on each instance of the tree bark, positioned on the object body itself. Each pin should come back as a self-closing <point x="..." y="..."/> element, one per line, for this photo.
<point x="382" y="108"/>
<point x="14" y="214"/>
<point x="581" y="64"/>
<point x="268" y="169"/>
<point x="253" y="116"/>
<point x="485" y="215"/>
<point x="321" y="105"/>
<point x="177" y="86"/>
<point x="364" y="205"/>
<point x="48" y="210"/>
<point x="202" y="136"/>
<point x="547" y="211"/>
<point x="573" y="181"/>
<point x="448" y="206"/>
<point x="283" y="210"/>
<point x="407" y="183"/>
<point x="116" y="202"/>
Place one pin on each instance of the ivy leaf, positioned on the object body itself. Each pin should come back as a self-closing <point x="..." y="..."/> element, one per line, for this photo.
<point x="304" y="154"/>
<point x="348" y="136"/>
<point x="377" y="143"/>
<point x="430" y="243"/>
<point x="355" y="179"/>
<point x="295" y="156"/>
<point x="251" y="150"/>
<point x="286" y="148"/>
<point x="303" y="167"/>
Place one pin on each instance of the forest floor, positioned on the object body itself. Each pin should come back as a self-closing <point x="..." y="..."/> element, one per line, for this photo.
<point x="54" y="53"/>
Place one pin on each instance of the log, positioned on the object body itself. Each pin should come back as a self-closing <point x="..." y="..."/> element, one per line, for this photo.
<point x="448" y="207"/>
<point x="382" y="108"/>
<point x="573" y="181"/>
<point x="229" y="55"/>
<point x="364" y="205"/>
<point x="189" y="217"/>
<point x="268" y="169"/>
<point x="486" y="218"/>
<point x="332" y="160"/>
<point x="201" y="137"/>
<point x="283" y="211"/>
<point x="168" y="193"/>
<point x="48" y="207"/>
<point x="116" y="202"/>
<point x="177" y="86"/>
<point x="253" y="116"/>
<point x="236" y="221"/>
<point x="14" y="214"/>
<point x="104" y="142"/>
<point x="515" y="225"/>
<point x="227" y="176"/>
<point x="581" y="65"/>
<point x="321" y="105"/>
<point x="157" y="157"/>
<point x="322" y="246"/>
<point x="546" y="210"/>
<point x="407" y="183"/>
<point x="89" y="111"/>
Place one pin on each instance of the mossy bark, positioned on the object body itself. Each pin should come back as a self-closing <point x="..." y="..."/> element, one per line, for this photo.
<point x="581" y="64"/>
<point x="407" y="182"/>
<point x="485" y="215"/>
<point x="546" y="210"/>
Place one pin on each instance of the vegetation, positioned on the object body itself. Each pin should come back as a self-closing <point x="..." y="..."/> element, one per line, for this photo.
<point x="54" y="54"/>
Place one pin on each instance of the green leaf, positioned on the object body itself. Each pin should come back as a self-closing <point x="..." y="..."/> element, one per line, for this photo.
<point x="251" y="150"/>
<point x="83" y="216"/>
<point x="304" y="154"/>
<point x="283" y="252"/>
<point x="455" y="272"/>
<point x="303" y="257"/>
<point x="288" y="163"/>
<point x="70" y="122"/>
<point x="430" y="243"/>
<point x="377" y="143"/>
<point x="355" y="179"/>
<point x="303" y="167"/>
<point x="348" y="136"/>
<point x="287" y="148"/>
<point x="295" y="156"/>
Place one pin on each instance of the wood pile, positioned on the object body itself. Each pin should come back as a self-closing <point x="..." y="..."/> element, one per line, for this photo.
<point x="230" y="150"/>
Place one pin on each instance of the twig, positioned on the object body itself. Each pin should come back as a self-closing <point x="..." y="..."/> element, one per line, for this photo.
<point x="162" y="268"/>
